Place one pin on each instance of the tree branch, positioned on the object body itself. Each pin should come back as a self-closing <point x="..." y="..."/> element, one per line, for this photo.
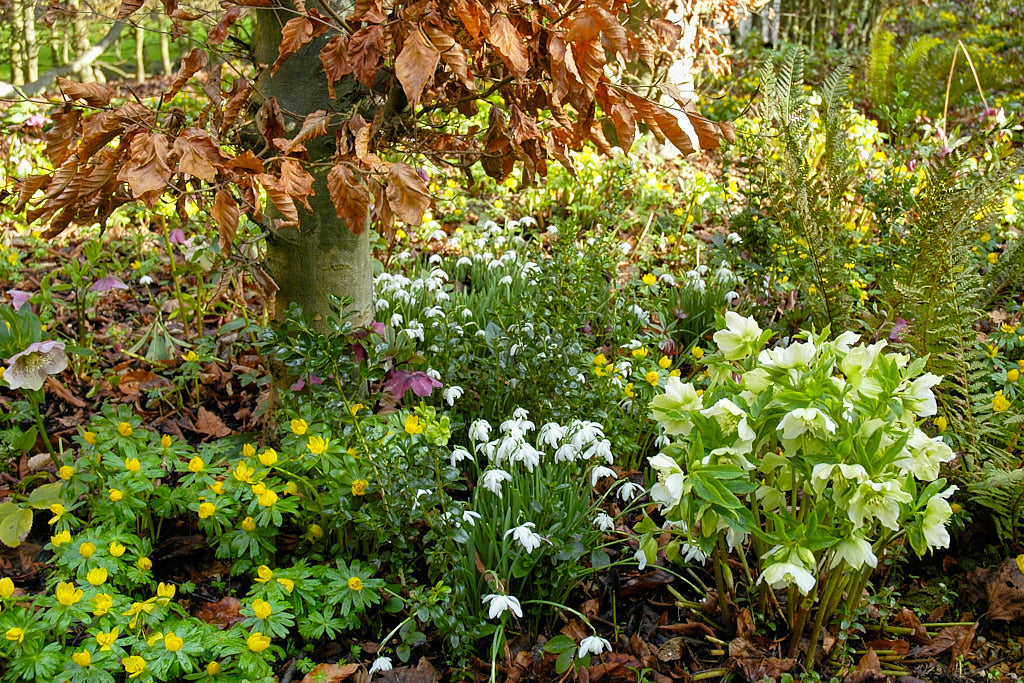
<point x="37" y="87"/>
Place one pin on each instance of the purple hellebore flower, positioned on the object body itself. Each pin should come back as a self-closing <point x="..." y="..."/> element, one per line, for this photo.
<point x="36" y="121"/>
<point x="28" y="369"/>
<point x="401" y="381"/>
<point x="18" y="298"/>
<point x="899" y="328"/>
<point x="177" y="236"/>
<point x="105" y="284"/>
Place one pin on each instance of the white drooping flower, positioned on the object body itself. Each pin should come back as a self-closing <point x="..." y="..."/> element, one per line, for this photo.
<point x="669" y="489"/>
<point x="600" y="472"/>
<point x="856" y="552"/>
<point x="917" y="395"/>
<point x="380" y="664"/>
<point x="789" y="567"/>
<point x="594" y="645"/>
<point x="493" y="479"/>
<point x="458" y="455"/>
<point x="924" y="455"/>
<point x="452" y="394"/>
<point x="599" y="449"/>
<point x="526" y="536"/>
<point x="479" y="430"/>
<point x="628" y="491"/>
<point x="604" y="522"/>
<point x="499" y="604"/>
<point x="879" y="500"/>
<point x="741" y="337"/>
<point x="733" y="420"/>
<point x="936" y="515"/>
<point x="550" y="434"/>
<point x="800" y="421"/>
<point x="797" y="355"/>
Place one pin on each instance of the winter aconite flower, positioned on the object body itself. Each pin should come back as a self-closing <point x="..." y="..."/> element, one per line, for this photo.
<point x="165" y="592"/>
<point x="207" y="510"/>
<point x="86" y="550"/>
<point x="67" y="594"/>
<point x="106" y="639"/>
<point x="268" y="458"/>
<point x="317" y="444"/>
<point x="359" y="487"/>
<point x="299" y="427"/>
<point x="173" y="642"/>
<point x="196" y="464"/>
<point x="6" y="588"/>
<point x="124" y="429"/>
<point x="15" y="635"/>
<point x="355" y="583"/>
<point x="28" y="369"/>
<point x="66" y="472"/>
<point x="102" y="603"/>
<point x="60" y="538"/>
<point x="413" y="425"/>
<point x="264" y="574"/>
<point x="1000" y="402"/>
<point x="116" y="495"/>
<point x="144" y="563"/>
<point x="499" y="604"/>
<point x="257" y="642"/>
<point x="132" y="464"/>
<point x="97" y="576"/>
<point x="116" y="549"/>
<point x="82" y="659"/>
<point x="134" y="666"/>
<point x="261" y="608"/>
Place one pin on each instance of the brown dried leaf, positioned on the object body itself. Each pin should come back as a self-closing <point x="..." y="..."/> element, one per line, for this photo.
<point x="510" y="46"/>
<point x="592" y="22"/>
<point x="334" y="57"/>
<point x="453" y="54"/>
<point x="198" y="155"/>
<point x="351" y="200"/>
<point x="590" y="61"/>
<point x="313" y="126"/>
<point x="237" y="97"/>
<point x="907" y="619"/>
<point x="369" y="11"/>
<point x="365" y="51"/>
<point x="62" y="133"/>
<point x="211" y="425"/>
<point x="270" y="120"/>
<point x="869" y="670"/>
<point x="224" y="613"/>
<point x="665" y="125"/>
<point x="226" y="212"/>
<point x="363" y="152"/>
<point x="135" y="382"/>
<point x="246" y="162"/>
<point x="294" y="34"/>
<point x="297" y="182"/>
<point x="415" y="65"/>
<point x="128" y="8"/>
<point x="407" y="193"/>
<point x="219" y="33"/>
<point x="474" y="18"/>
<point x="193" y="62"/>
<point x="330" y="673"/>
<point x="94" y="94"/>
<point x="147" y="170"/>
<point x="281" y="200"/>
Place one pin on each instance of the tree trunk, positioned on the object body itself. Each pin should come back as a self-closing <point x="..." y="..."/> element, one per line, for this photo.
<point x="17" y="44"/>
<point x="323" y="257"/>
<point x="80" y="38"/>
<point x="165" y="46"/>
<point x="140" y="53"/>
<point x="31" y="42"/>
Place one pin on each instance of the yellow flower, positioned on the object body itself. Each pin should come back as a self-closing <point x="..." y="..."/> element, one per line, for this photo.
<point x="248" y="450"/>
<point x="217" y="487"/>
<point x="66" y="472"/>
<point x="213" y="668"/>
<point x="628" y="390"/>
<point x="498" y="204"/>
<point x="412" y="425"/>
<point x="600" y="360"/>
<point x="15" y="635"/>
<point x="267" y="499"/>
<point x="992" y="351"/>
<point x="1013" y="375"/>
<point x="355" y="583"/>
<point x="992" y="257"/>
<point x="89" y="438"/>
<point x="697" y="352"/>
<point x="196" y="464"/>
<point x="985" y="237"/>
<point x="249" y="524"/>
<point x="258" y="642"/>
<point x="675" y="373"/>
<point x="941" y="423"/>
<point x="356" y="407"/>
<point x="83" y="658"/>
<point x="103" y="603"/>
<point x="60" y="538"/>
<point x="288" y="584"/>
<point x="190" y="356"/>
<point x="86" y="550"/>
<point x="268" y="458"/>
<point x="6" y="587"/>
<point x="649" y="279"/>
<point x="259" y="488"/>
<point x="264" y="574"/>
<point x="97" y="576"/>
<point x="261" y="608"/>
<point x="640" y="352"/>
<point x="124" y="429"/>
<point x="58" y="511"/>
<point x="664" y="362"/>
<point x="317" y="444"/>
<point x="105" y="640"/>
<point x="133" y="666"/>
<point x="315" y="531"/>
<point x="359" y="487"/>
<point x="291" y="488"/>
<point x="138" y="609"/>
<point x="1008" y="329"/>
<point x="207" y="510"/>
<point x="652" y="378"/>
<point x="165" y="591"/>
<point x="811" y="289"/>
<point x="144" y="563"/>
<point x="299" y="427"/>
<point x="165" y="441"/>
<point x="243" y="472"/>
<point x="172" y="642"/>
<point x="1000" y="402"/>
<point x="955" y="508"/>
<point x="116" y="495"/>
<point x="132" y="464"/>
<point x="67" y="594"/>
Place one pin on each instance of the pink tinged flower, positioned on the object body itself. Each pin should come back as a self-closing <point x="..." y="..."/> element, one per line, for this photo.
<point x="499" y="604"/>
<point x="177" y="236"/>
<point x="401" y="381"/>
<point x="105" y="284"/>
<point x="29" y="368"/>
<point x="18" y="298"/>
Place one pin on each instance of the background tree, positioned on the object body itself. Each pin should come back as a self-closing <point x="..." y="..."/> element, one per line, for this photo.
<point x="344" y="104"/>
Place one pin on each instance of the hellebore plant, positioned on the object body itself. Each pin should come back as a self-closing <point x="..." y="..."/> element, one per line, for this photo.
<point x="807" y="460"/>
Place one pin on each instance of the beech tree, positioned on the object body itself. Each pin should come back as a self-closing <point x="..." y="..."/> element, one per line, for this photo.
<point x="324" y="138"/>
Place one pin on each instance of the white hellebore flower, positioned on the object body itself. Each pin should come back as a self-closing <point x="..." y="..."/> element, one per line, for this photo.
<point x="29" y="368"/>
<point x="923" y="455"/>
<point x="740" y="338"/>
<point x="380" y="664"/>
<point x="799" y="421"/>
<point x="527" y="537"/>
<point x="671" y="407"/>
<point x="669" y="489"/>
<point x="499" y="604"/>
<point x="594" y="645"/>
<point x="918" y="397"/>
<point x="493" y="478"/>
<point x="936" y="514"/>
<point x="789" y="567"/>
<point x="798" y="355"/>
<point x="733" y="420"/>
<point x="855" y="552"/>
<point x="880" y="500"/>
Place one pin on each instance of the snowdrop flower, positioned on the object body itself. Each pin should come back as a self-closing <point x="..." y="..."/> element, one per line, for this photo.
<point x="493" y="478"/>
<point x="415" y="330"/>
<point x="526" y="536"/>
<point x="494" y="265"/>
<point x="397" y="319"/>
<point x="380" y="664"/>
<point x="463" y="261"/>
<point x="600" y="449"/>
<point x="724" y="273"/>
<point x="145" y="280"/>
<point x="641" y="559"/>
<point x="692" y="553"/>
<point x="479" y="430"/>
<point x="733" y="238"/>
<point x="594" y="645"/>
<point x="566" y="453"/>
<point x="552" y="230"/>
<point x="639" y="313"/>
<point x="585" y="432"/>
<point x="469" y="517"/>
<point x="668" y="279"/>
<point x="458" y="455"/>
<point x="437" y="236"/>
<point x="507" y="280"/>
<point x="29" y="368"/>
<point x="528" y="220"/>
<point x="499" y="604"/>
<point x="433" y="312"/>
<point x="526" y="454"/>
<point x="600" y="472"/>
<point x="628" y="491"/>
<point x="792" y="567"/>
<point x="625" y="248"/>
<point x="529" y="268"/>
<point x="550" y="434"/>
<point x="604" y="522"/>
<point x="731" y="297"/>
<point x="452" y="394"/>
<point x="435" y="259"/>
<point x="741" y="337"/>
<point x="382" y="305"/>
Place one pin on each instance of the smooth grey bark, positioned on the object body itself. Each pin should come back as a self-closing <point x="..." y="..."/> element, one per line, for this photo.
<point x="322" y="257"/>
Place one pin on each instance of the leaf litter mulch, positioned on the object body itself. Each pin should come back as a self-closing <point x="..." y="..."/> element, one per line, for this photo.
<point x="957" y="617"/>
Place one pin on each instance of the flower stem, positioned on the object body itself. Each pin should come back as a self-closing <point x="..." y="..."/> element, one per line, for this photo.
<point x="33" y="401"/>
